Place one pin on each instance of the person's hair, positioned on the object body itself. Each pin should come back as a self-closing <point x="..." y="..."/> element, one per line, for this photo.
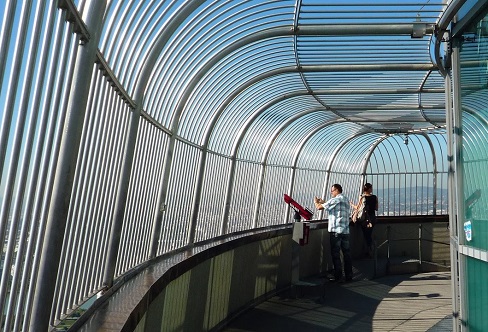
<point x="367" y="186"/>
<point x="338" y="187"/>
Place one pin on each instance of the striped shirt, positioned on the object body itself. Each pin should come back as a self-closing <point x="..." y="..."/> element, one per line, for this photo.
<point x="338" y="208"/>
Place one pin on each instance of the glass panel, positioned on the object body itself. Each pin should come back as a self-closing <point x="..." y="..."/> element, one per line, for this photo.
<point x="474" y="158"/>
<point x="474" y="79"/>
<point x="477" y="294"/>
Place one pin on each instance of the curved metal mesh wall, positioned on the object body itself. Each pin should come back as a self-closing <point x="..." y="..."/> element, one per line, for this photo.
<point x="142" y="200"/>
<point x="408" y="175"/>
<point x="199" y="116"/>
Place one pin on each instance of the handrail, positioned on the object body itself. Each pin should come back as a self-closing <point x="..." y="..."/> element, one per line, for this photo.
<point x="388" y="242"/>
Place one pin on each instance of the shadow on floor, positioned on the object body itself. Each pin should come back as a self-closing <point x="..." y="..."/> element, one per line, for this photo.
<point x="415" y="302"/>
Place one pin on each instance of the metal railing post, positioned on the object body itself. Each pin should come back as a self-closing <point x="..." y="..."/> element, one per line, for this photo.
<point x="420" y="244"/>
<point x="388" y="231"/>
<point x="375" y="259"/>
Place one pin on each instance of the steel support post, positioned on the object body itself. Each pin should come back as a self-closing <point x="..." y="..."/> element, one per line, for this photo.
<point x="456" y="197"/>
<point x="65" y="170"/>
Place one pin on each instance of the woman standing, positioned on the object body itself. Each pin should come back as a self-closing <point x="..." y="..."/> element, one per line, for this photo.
<point x="371" y="203"/>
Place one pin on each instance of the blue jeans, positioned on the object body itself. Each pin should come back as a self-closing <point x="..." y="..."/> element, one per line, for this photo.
<point x="340" y="242"/>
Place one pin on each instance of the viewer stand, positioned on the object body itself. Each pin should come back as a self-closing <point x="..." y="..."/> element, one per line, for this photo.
<point x="300" y="235"/>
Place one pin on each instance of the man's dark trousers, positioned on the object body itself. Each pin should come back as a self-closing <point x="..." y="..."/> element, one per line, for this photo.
<point x="340" y="242"/>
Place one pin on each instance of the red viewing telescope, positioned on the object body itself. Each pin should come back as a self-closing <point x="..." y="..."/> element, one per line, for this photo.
<point x="303" y="212"/>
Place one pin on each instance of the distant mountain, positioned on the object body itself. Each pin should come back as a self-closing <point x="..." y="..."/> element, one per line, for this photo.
<point x="411" y="200"/>
<point x="418" y="191"/>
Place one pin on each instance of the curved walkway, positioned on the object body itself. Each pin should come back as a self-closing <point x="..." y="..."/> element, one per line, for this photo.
<point x="415" y="302"/>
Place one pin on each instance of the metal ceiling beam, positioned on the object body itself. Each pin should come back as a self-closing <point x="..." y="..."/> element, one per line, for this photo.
<point x="368" y="67"/>
<point x="386" y="107"/>
<point x="365" y="29"/>
<point x="389" y="121"/>
<point x="374" y="91"/>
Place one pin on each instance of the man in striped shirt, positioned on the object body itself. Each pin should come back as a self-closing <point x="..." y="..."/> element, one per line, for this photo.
<point x="338" y="208"/>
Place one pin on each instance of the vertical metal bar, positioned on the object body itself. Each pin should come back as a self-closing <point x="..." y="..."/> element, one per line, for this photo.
<point x="395" y="188"/>
<point x="6" y="33"/>
<point x="123" y="184"/>
<point x="388" y="178"/>
<point x="6" y="122"/>
<point x="375" y="261"/>
<point x="259" y="194"/>
<point x="139" y="249"/>
<point x="402" y="192"/>
<point x="136" y="183"/>
<point x="99" y="140"/>
<point x="160" y="207"/>
<point x="415" y="194"/>
<point x="420" y="244"/>
<point x="454" y="142"/>
<point x="120" y="200"/>
<point x="197" y="197"/>
<point x="434" y="171"/>
<point x="8" y="109"/>
<point x="29" y="201"/>
<point x="17" y="195"/>
<point x="291" y="184"/>
<point x="388" y="241"/>
<point x="145" y="136"/>
<point x="228" y="196"/>
<point x="77" y="233"/>
<point x="120" y="112"/>
<point x="63" y="184"/>
<point x="56" y="106"/>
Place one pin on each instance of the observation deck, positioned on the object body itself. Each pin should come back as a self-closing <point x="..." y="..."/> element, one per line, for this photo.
<point x="145" y="148"/>
<point x="214" y="286"/>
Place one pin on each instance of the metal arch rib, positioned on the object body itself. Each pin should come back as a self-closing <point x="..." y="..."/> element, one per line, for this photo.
<point x="370" y="152"/>
<point x="292" y="69"/>
<point x="424" y="81"/>
<point x="434" y="162"/>
<point x="287" y="31"/>
<point x="254" y="116"/>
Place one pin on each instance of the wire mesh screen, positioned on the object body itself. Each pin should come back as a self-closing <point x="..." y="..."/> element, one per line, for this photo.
<point x="215" y="187"/>
<point x="243" y="197"/>
<point x="145" y="185"/>
<point x="271" y="206"/>
<point x="307" y="184"/>
<point x="181" y="184"/>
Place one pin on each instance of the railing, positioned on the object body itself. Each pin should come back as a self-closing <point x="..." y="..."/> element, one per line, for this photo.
<point x="388" y="243"/>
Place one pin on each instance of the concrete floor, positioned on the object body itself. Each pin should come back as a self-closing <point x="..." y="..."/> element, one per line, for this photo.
<point x="408" y="302"/>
